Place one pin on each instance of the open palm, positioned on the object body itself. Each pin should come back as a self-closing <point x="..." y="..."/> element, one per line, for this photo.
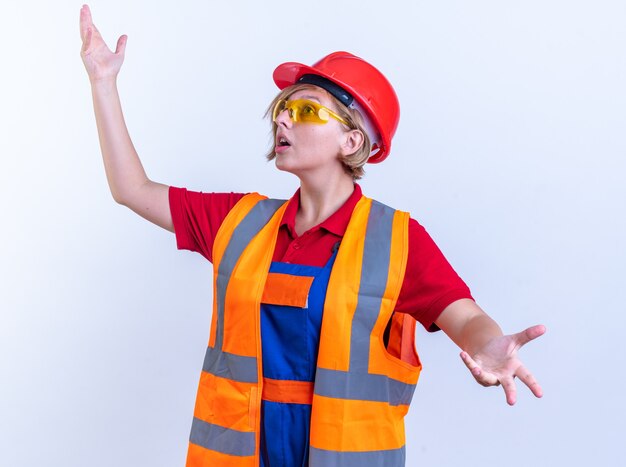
<point x="99" y="61"/>
<point x="497" y="363"/>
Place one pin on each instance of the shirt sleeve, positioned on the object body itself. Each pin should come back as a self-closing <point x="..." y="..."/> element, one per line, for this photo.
<point x="198" y="216"/>
<point x="430" y="283"/>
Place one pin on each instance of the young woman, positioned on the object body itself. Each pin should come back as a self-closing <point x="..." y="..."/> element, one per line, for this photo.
<point x="311" y="357"/>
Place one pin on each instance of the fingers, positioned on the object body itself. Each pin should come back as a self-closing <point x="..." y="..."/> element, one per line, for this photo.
<point x="87" y="28"/>
<point x="527" y="335"/>
<point x="85" y="21"/>
<point x="483" y="378"/>
<point x="510" y="391"/>
<point x="85" y="9"/>
<point x="121" y="44"/>
<point x="526" y="377"/>
<point x="529" y="380"/>
<point x="86" y="41"/>
<point x="85" y="16"/>
<point x="486" y="378"/>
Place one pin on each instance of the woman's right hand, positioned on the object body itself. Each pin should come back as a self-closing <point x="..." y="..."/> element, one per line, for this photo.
<point x="100" y="62"/>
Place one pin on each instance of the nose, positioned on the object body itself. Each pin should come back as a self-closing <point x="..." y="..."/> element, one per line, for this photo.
<point x="283" y="119"/>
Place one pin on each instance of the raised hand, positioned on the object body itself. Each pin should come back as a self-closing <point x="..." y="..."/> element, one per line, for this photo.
<point x="100" y="62"/>
<point x="496" y="363"/>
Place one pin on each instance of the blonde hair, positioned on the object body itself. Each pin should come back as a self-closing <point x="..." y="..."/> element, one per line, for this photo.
<point x="352" y="163"/>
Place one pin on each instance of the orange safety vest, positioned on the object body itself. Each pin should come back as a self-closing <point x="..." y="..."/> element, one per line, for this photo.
<point x="362" y="389"/>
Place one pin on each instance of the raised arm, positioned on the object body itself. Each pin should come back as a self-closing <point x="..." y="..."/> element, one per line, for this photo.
<point x="489" y="355"/>
<point x="127" y="179"/>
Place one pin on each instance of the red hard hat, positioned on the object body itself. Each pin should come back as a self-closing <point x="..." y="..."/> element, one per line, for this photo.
<point x="369" y="88"/>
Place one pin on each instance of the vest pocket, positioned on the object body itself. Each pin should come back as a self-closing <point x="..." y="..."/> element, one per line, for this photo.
<point x="399" y="339"/>
<point x="205" y="400"/>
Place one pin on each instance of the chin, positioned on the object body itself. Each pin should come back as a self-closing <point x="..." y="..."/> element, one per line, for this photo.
<point x="283" y="165"/>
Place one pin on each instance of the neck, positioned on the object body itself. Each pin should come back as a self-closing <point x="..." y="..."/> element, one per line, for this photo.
<point x="320" y="199"/>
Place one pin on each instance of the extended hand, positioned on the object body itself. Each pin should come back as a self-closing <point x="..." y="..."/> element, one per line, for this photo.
<point x="99" y="61"/>
<point x="497" y="363"/>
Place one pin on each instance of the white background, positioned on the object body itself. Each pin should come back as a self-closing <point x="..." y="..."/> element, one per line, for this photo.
<point x="510" y="151"/>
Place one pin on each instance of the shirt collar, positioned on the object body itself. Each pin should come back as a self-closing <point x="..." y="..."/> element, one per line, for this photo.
<point x="337" y="223"/>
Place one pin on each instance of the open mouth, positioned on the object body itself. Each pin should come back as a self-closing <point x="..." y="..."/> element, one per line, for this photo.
<point x="283" y="142"/>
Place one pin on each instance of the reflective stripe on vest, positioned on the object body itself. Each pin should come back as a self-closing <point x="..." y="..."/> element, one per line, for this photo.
<point x="391" y="457"/>
<point x="217" y="438"/>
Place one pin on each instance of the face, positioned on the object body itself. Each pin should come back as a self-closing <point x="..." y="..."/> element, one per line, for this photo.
<point x="308" y="147"/>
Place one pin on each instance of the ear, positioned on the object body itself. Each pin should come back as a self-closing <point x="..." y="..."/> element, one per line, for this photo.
<point x="352" y="142"/>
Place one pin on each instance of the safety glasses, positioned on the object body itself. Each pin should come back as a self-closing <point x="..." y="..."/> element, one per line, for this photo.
<point x="306" y="111"/>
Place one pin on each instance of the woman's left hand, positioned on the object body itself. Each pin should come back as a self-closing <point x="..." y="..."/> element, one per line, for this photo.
<point x="496" y="363"/>
<point x="490" y="355"/>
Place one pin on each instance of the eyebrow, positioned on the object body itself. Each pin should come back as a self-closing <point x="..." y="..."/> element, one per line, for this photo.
<point x="312" y="98"/>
